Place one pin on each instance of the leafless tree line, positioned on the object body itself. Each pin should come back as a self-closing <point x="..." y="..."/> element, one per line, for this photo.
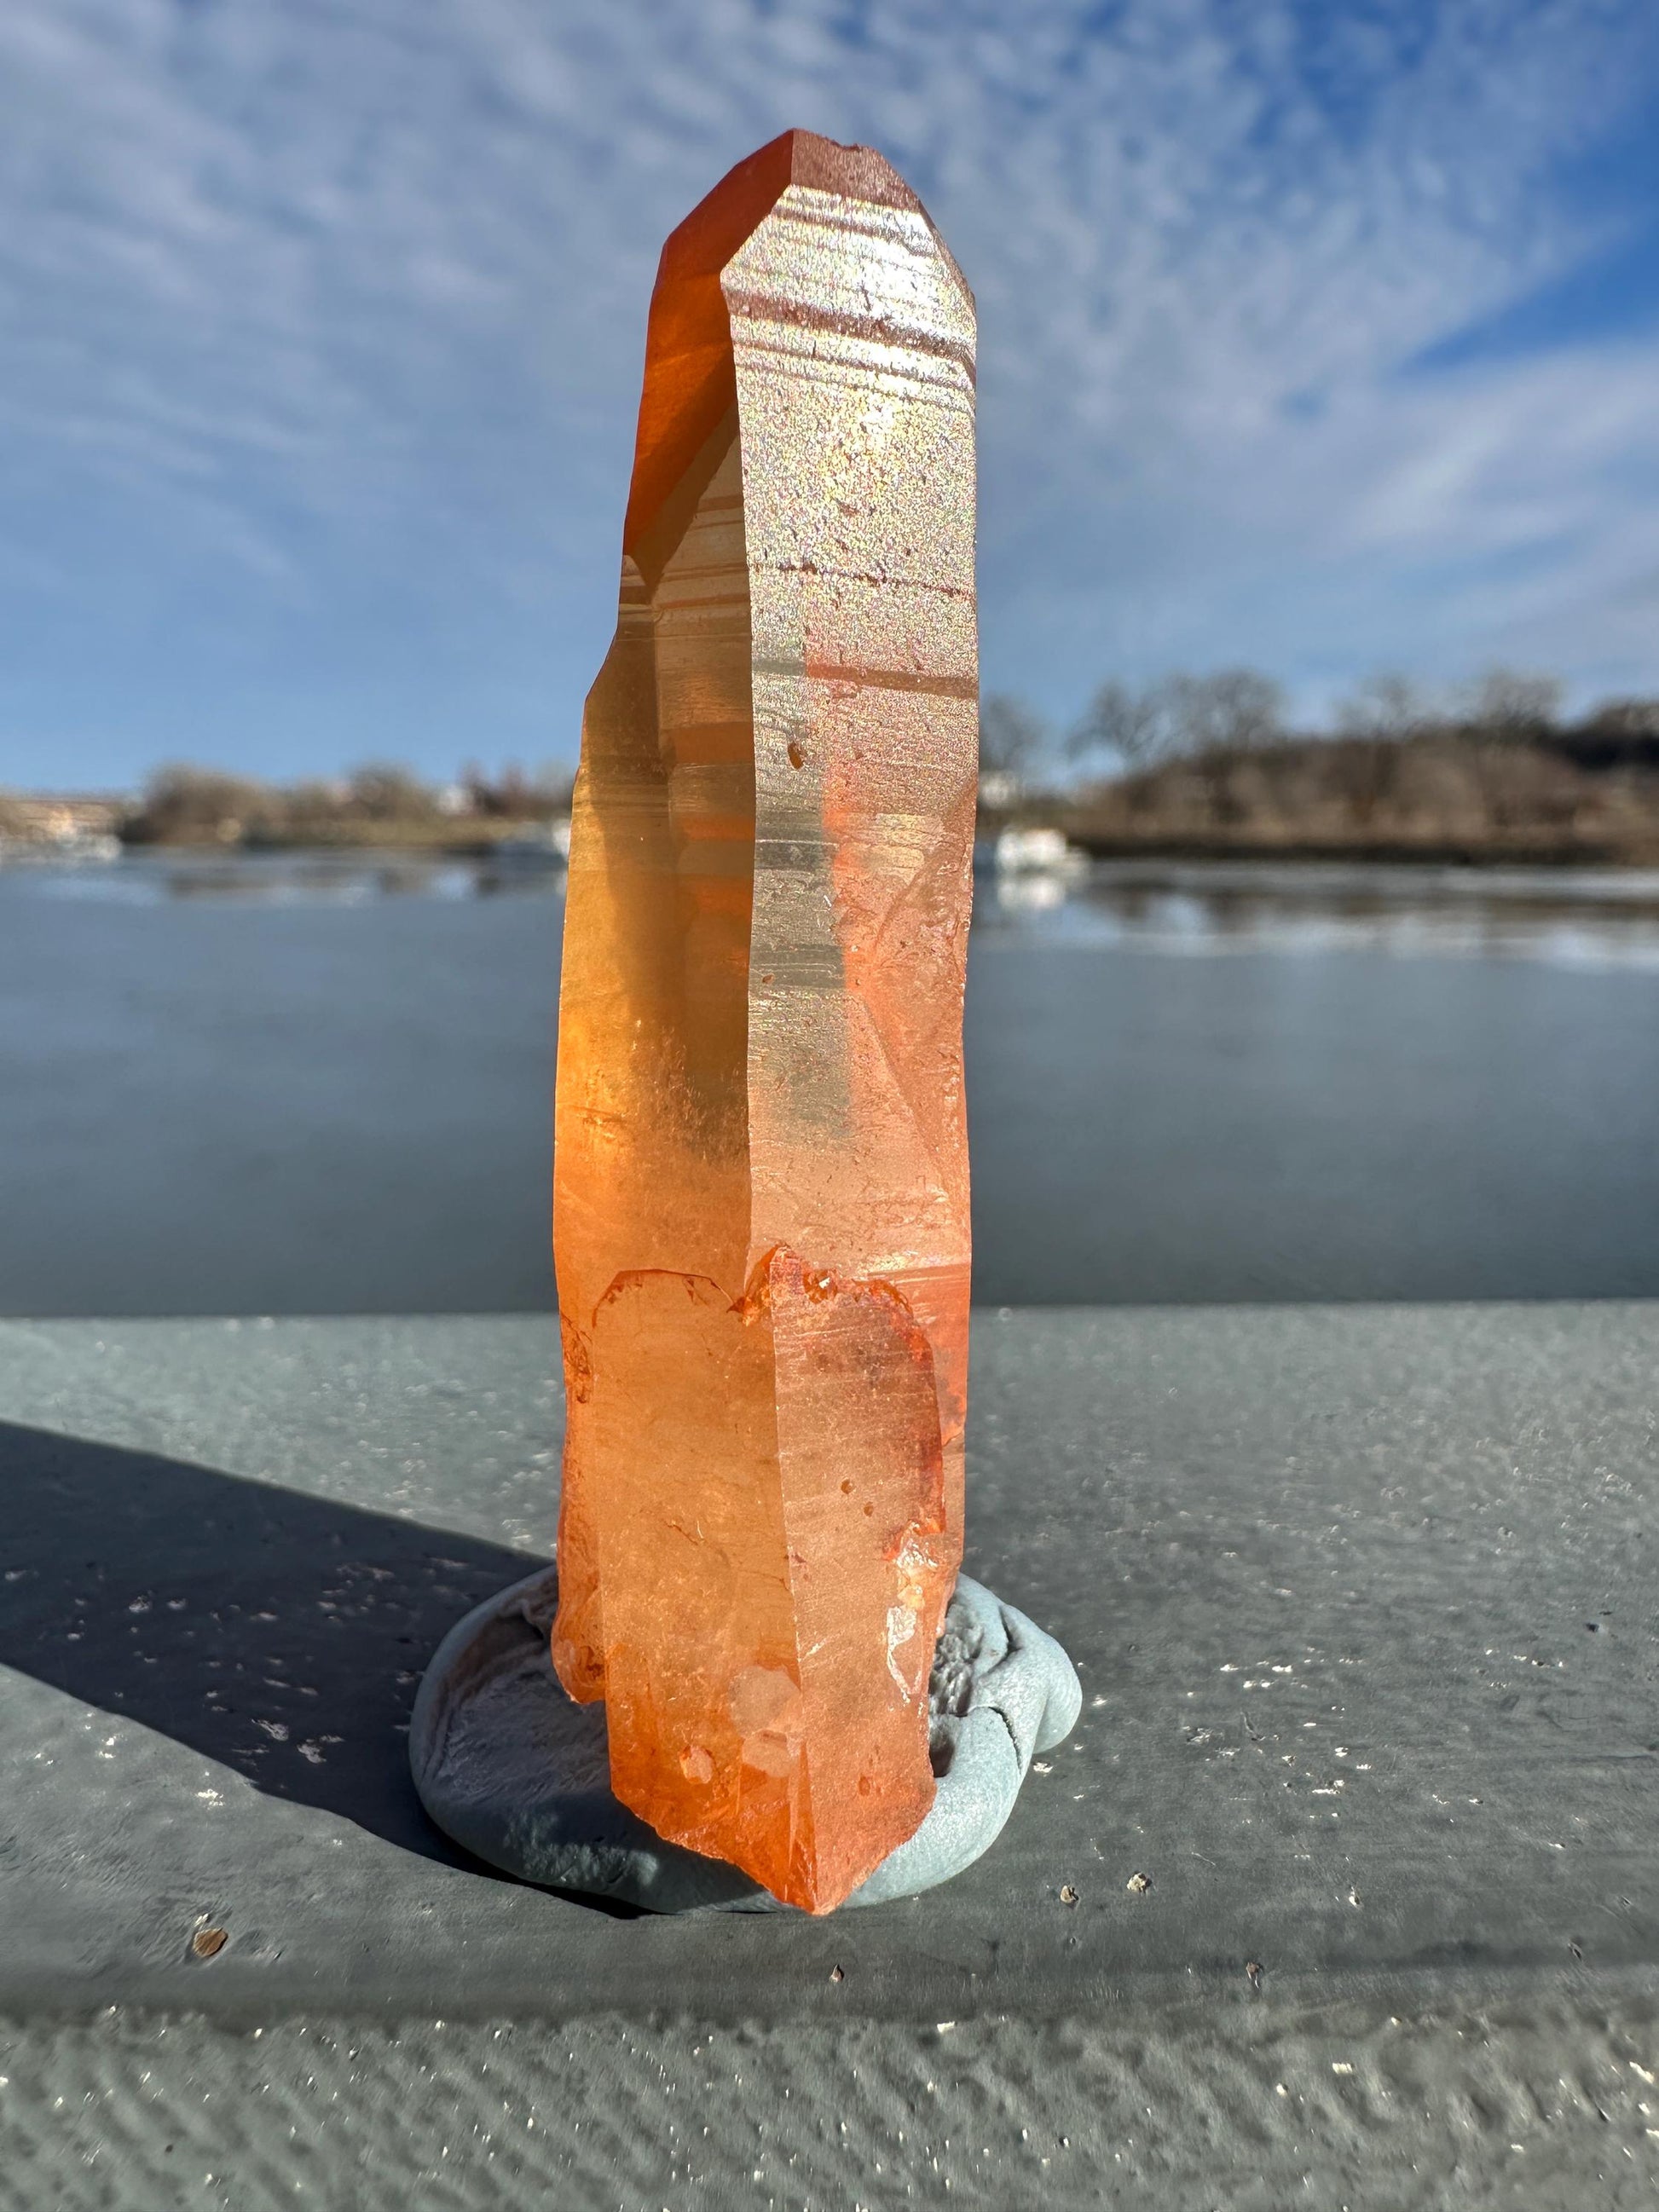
<point x="1211" y="759"/>
<point x="191" y="804"/>
<point x="1126" y="729"/>
<point x="1187" y="753"/>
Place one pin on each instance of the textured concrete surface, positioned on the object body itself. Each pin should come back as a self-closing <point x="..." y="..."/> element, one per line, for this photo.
<point x="1364" y="1601"/>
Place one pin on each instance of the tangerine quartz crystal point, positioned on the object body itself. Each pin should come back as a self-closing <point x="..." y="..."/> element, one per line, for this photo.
<point x="760" y="1208"/>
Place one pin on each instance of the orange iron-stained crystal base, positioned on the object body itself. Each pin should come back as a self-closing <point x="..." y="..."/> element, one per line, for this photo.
<point x="761" y="1216"/>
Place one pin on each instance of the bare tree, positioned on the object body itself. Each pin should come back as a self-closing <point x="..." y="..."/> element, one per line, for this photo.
<point x="1232" y="711"/>
<point x="183" y="804"/>
<point x="387" y="792"/>
<point x="1625" y="718"/>
<point x="1508" y="712"/>
<point x="511" y="796"/>
<point x="1513" y="706"/>
<point x="1012" y="739"/>
<point x="1379" y="716"/>
<point x="1127" y="725"/>
<point x="1388" y="706"/>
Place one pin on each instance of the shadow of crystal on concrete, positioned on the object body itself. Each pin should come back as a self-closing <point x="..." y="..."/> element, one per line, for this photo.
<point x="278" y="1633"/>
<point x="512" y="1768"/>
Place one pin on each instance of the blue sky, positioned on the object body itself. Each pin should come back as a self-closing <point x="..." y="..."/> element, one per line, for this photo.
<point x="1318" y="334"/>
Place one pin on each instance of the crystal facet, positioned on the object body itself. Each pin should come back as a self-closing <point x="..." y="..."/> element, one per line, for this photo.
<point x="761" y="1215"/>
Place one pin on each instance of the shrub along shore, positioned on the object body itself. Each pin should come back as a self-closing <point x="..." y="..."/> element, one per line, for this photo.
<point x="1453" y="797"/>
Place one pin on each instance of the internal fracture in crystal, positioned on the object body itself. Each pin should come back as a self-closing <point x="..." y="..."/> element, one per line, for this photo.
<point x="761" y="1216"/>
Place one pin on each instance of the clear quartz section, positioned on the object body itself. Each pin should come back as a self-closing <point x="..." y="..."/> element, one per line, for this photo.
<point x="761" y="1215"/>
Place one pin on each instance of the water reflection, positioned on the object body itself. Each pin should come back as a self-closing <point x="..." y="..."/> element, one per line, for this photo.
<point x="287" y="878"/>
<point x="1583" y="918"/>
<point x="1586" y="919"/>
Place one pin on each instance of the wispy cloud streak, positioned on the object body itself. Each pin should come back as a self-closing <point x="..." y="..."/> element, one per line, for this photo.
<point x="325" y="322"/>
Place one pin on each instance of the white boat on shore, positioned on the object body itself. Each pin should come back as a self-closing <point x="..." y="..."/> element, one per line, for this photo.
<point x="1019" y="852"/>
<point x="538" y="845"/>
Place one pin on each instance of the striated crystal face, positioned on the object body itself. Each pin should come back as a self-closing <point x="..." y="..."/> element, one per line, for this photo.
<point x="760" y="1208"/>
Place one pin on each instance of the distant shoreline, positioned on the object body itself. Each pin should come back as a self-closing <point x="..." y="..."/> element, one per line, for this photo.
<point x="1387" y="852"/>
<point x="1436" y="795"/>
<point x="1471" y="856"/>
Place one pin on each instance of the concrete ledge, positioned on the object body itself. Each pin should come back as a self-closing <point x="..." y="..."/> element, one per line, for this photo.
<point x="1364" y="1601"/>
<point x="1540" y="2108"/>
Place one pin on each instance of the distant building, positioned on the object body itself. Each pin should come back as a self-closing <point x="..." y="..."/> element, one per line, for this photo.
<point x="48" y="818"/>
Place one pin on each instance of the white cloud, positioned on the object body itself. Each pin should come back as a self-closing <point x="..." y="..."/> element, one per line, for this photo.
<point x="363" y="287"/>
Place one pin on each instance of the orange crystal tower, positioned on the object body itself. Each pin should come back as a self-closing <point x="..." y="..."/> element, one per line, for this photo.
<point x="761" y="1205"/>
